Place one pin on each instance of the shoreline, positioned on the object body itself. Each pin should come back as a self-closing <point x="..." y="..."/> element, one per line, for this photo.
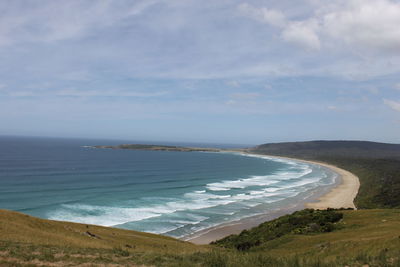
<point x="340" y="195"/>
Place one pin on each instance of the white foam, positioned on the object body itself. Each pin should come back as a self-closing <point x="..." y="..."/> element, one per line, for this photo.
<point x="103" y="215"/>
<point x="165" y="229"/>
<point x="302" y="183"/>
<point x="258" y="180"/>
<point x="200" y="191"/>
<point x="282" y="160"/>
<point x="110" y="216"/>
<point x="241" y="183"/>
<point x="261" y="189"/>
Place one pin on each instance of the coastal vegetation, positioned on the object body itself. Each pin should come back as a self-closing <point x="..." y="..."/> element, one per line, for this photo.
<point x="301" y="222"/>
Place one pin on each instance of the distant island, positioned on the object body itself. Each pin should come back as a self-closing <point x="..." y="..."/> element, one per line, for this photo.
<point x="161" y="148"/>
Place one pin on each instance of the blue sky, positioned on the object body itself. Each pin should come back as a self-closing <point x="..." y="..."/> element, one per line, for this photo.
<point x="209" y="71"/>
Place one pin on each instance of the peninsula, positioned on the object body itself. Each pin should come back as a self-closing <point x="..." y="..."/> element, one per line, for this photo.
<point x="160" y="148"/>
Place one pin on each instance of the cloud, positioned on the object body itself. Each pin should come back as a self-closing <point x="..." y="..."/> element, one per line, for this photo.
<point x="78" y="41"/>
<point x="53" y="21"/>
<point x="245" y="96"/>
<point x="397" y="86"/>
<point x="367" y="23"/>
<point x="76" y="76"/>
<point x="372" y="89"/>
<point x="233" y="83"/>
<point x="263" y="14"/>
<point x="392" y="104"/>
<point x="302" y="33"/>
<point x="370" y="24"/>
<point x="332" y="107"/>
<point x="108" y="93"/>
<point x="73" y="92"/>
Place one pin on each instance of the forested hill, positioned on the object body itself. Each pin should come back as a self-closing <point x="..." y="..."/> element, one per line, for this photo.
<point x="376" y="164"/>
<point x="318" y="149"/>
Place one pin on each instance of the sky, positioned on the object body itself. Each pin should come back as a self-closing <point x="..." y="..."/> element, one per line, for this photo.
<point x="217" y="71"/>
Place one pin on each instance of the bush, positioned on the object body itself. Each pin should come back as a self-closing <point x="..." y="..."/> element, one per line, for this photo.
<point x="301" y="222"/>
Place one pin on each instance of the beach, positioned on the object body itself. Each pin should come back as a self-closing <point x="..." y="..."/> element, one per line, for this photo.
<point x="339" y="196"/>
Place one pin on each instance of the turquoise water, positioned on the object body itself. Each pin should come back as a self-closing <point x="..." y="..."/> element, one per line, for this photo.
<point x="171" y="193"/>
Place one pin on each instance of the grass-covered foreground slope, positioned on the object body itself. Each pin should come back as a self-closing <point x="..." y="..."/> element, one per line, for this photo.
<point x="26" y="239"/>
<point x="376" y="164"/>
<point x="360" y="237"/>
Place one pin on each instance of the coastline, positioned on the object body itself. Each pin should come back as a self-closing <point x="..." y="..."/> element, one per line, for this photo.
<point x="340" y="195"/>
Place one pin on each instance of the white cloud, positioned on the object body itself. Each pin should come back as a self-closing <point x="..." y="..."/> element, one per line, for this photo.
<point x="188" y="39"/>
<point x="332" y="107"/>
<point x="392" y="104"/>
<point x="302" y="33"/>
<point x="397" y="86"/>
<point x="233" y="83"/>
<point x="108" y="93"/>
<point x="54" y="20"/>
<point x="265" y="15"/>
<point x="76" y="76"/>
<point x="245" y="96"/>
<point x="368" y="23"/>
<point x="372" y="24"/>
<point x="372" y="89"/>
<point x="73" y="92"/>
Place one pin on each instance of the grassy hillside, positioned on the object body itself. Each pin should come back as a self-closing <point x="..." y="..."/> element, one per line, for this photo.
<point x="364" y="237"/>
<point x="376" y="164"/>
<point x="28" y="239"/>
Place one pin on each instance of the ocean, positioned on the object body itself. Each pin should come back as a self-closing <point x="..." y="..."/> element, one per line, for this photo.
<point x="170" y="193"/>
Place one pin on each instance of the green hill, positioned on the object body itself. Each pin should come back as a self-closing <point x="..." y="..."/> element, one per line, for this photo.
<point x="327" y="149"/>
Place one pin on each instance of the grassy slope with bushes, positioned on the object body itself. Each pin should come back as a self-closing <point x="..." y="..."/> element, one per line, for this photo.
<point x="364" y="237"/>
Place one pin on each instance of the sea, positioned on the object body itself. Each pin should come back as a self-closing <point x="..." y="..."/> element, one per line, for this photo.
<point x="170" y="193"/>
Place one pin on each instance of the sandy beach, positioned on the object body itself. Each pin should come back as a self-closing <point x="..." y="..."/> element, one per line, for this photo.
<point x="340" y="196"/>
